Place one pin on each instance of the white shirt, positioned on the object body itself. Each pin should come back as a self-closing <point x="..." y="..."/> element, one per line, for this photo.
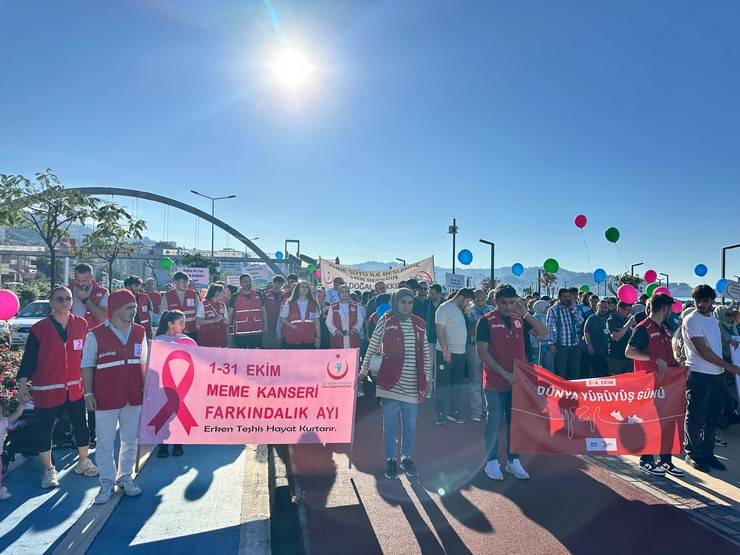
<point x="451" y="317"/>
<point x="79" y="309"/>
<point x="697" y="325"/>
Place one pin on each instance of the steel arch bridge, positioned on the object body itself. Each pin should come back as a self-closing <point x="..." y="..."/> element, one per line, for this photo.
<point x="116" y="191"/>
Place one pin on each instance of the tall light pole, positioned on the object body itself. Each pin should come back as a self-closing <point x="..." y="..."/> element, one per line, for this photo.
<point x="667" y="280"/>
<point x="632" y="268"/>
<point x="452" y="230"/>
<point x="213" y="207"/>
<point x="724" y="252"/>
<point x="493" y="258"/>
<point x="402" y="261"/>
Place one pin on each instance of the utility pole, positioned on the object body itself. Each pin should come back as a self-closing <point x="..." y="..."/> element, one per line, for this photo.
<point x="632" y="268"/>
<point x="493" y="257"/>
<point x="213" y="206"/>
<point x="402" y="261"/>
<point x="667" y="281"/>
<point x="452" y="230"/>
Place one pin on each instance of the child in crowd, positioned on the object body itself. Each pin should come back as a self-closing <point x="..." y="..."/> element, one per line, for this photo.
<point x="6" y="422"/>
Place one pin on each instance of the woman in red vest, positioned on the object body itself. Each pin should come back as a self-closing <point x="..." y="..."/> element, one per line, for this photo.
<point x="51" y="364"/>
<point x="300" y="317"/>
<point x="212" y="329"/>
<point x="400" y="339"/>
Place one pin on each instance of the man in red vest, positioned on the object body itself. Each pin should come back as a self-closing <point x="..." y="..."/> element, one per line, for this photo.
<point x="183" y="298"/>
<point x="651" y="350"/>
<point x="89" y="299"/>
<point x="113" y="364"/>
<point x="247" y="315"/>
<point x="344" y="321"/>
<point x="500" y="337"/>
<point x="144" y="306"/>
<point x="150" y="288"/>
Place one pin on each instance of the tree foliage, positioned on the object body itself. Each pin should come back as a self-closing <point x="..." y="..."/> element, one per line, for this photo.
<point x="629" y="279"/>
<point x="548" y="281"/>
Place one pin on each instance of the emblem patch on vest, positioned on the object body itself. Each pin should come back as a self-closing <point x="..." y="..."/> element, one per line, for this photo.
<point x="517" y="324"/>
<point x="77" y="344"/>
<point x="190" y="302"/>
<point x="137" y="349"/>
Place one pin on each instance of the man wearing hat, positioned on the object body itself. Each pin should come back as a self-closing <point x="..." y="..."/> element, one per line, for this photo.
<point x="113" y="363"/>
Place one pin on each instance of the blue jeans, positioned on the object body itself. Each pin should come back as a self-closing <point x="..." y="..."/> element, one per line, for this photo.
<point x="499" y="406"/>
<point x="392" y="411"/>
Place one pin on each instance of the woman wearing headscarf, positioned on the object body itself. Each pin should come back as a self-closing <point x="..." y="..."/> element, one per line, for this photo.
<point x="400" y="339"/>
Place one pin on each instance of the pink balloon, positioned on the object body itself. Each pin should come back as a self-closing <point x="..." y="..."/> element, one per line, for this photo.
<point x="627" y="293"/>
<point x="677" y="307"/>
<point x="317" y="273"/>
<point x="650" y="276"/>
<point x="581" y="221"/>
<point x="9" y="304"/>
<point x="659" y="290"/>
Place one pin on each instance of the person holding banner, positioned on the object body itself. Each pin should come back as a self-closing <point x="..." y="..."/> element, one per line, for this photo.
<point x="651" y="350"/>
<point x="248" y="315"/>
<point x="300" y="319"/>
<point x="212" y="328"/>
<point x="113" y="364"/>
<point x="344" y="322"/>
<point x="400" y="341"/>
<point x="181" y="297"/>
<point x="500" y="338"/>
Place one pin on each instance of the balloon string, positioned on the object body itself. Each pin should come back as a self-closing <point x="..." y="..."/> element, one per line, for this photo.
<point x="622" y="257"/>
<point x="588" y="254"/>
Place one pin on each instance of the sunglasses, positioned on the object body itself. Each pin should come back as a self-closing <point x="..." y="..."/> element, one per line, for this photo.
<point x="63" y="299"/>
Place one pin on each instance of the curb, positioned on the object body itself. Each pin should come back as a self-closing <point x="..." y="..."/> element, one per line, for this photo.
<point x="255" y="530"/>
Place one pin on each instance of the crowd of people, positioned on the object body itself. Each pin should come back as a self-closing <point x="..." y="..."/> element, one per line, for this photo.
<point x="86" y="360"/>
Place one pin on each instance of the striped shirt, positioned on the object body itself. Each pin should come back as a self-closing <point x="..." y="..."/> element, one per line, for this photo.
<point x="407" y="387"/>
<point x="564" y="325"/>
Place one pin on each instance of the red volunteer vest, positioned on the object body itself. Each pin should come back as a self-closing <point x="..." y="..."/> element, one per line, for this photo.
<point x="156" y="298"/>
<point x="142" y="312"/>
<point x="58" y="374"/>
<point x="394" y="352"/>
<point x="305" y="331"/>
<point x="247" y="313"/>
<point x="659" y="346"/>
<point x="506" y="346"/>
<point x="191" y="302"/>
<point x="337" y="342"/>
<point x="273" y="303"/>
<point x="96" y="295"/>
<point x="118" y="376"/>
<point x="213" y="335"/>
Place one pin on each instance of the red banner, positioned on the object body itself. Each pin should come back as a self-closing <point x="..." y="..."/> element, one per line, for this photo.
<point x="634" y="413"/>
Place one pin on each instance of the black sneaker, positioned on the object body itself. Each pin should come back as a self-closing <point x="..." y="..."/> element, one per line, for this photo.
<point x="699" y="465"/>
<point x="177" y="451"/>
<point x="671" y="469"/>
<point x="650" y="467"/>
<point x="163" y="451"/>
<point x="409" y="468"/>
<point x="441" y="420"/>
<point x="713" y="462"/>
<point x="720" y="442"/>
<point x="455" y="418"/>
<point x="391" y="469"/>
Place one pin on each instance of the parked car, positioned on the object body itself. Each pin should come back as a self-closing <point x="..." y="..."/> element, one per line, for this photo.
<point x="21" y="324"/>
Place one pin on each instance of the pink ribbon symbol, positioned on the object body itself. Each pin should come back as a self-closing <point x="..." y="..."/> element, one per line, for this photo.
<point x="175" y="394"/>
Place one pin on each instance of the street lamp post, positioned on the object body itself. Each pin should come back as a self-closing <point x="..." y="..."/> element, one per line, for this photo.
<point x="724" y="252"/>
<point x="452" y="230"/>
<point x="402" y="261"/>
<point x="667" y="280"/>
<point x="213" y="208"/>
<point x="632" y="268"/>
<point x="493" y="256"/>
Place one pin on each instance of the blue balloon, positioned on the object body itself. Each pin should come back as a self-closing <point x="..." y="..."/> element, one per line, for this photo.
<point x="600" y="275"/>
<point x="517" y="269"/>
<point x="465" y="256"/>
<point x="279" y="255"/>
<point x="700" y="270"/>
<point x="721" y="286"/>
<point x="382" y="309"/>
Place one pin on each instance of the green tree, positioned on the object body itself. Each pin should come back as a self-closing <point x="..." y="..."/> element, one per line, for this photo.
<point x="629" y="279"/>
<point x="44" y="205"/>
<point x="548" y="281"/>
<point x="200" y="261"/>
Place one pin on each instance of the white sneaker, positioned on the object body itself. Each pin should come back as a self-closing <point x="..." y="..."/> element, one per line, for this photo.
<point x="86" y="467"/>
<point x="616" y="415"/>
<point x="493" y="470"/>
<point x="129" y="487"/>
<point x="105" y="493"/>
<point x="4" y="493"/>
<point x="49" y="479"/>
<point x="515" y="467"/>
<point x="634" y="419"/>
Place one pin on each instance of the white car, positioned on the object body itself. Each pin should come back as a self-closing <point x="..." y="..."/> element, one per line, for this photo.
<point x="21" y="324"/>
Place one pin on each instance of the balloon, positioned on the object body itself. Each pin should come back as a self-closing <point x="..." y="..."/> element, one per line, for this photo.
<point x="581" y="221"/>
<point x="677" y="307"/>
<point x="165" y="263"/>
<point x="279" y="255"/>
<point x="661" y="291"/>
<point x="585" y="288"/>
<point x="517" y="269"/>
<point x="317" y="273"/>
<point x="627" y="293"/>
<point x="612" y="234"/>
<point x="650" y="276"/>
<point x="9" y="304"/>
<point x="600" y="275"/>
<point x="651" y="289"/>
<point x="721" y="286"/>
<point x="551" y="266"/>
<point x="700" y="270"/>
<point x="382" y="309"/>
<point x="465" y="256"/>
<point x="311" y="268"/>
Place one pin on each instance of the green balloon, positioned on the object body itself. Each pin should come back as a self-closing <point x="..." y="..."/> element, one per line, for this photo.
<point x="311" y="268"/>
<point x="551" y="266"/>
<point x="612" y="235"/>
<point x="584" y="288"/>
<point x="165" y="263"/>
<point x="650" y="288"/>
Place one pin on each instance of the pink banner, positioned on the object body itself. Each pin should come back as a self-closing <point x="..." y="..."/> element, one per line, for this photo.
<point x="206" y="395"/>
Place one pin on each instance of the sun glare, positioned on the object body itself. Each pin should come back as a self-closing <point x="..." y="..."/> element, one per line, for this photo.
<point x="291" y="68"/>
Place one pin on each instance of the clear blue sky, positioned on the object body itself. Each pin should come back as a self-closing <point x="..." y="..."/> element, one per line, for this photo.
<point x="512" y="117"/>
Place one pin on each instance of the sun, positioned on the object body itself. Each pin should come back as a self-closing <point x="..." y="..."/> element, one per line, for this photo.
<point x="291" y="68"/>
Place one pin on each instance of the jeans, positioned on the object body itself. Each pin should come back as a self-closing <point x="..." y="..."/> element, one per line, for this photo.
<point x="392" y="411"/>
<point x="568" y="362"/>
<point x="474" y="387"/>
<point x="499" y="406"/>
<point x="705" y="395"/>
<point x="449" y="378"/>
<point x="127" y="418"/>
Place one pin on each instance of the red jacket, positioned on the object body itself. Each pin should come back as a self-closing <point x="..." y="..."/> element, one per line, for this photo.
<point x="337" y="341"/>
<point x="118" y="376"/>
<point x="394" y="353"/>
<point x="191" y="303"/>
<point x="58" y="374"/>
<point x="213" y="335"/>
<point x="659" y="346"/>
<point x="305" y="331"/>
<point x="273" y="304"/>
<point x="156" y="298"/>
<point x="506" y="346"/>
<point x="247" y="313"/>
<point x="142" y="312"/>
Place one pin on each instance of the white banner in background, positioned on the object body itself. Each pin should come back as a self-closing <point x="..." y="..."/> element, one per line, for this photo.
<point x="199" y="277"/>
<point x="365" y="280"/>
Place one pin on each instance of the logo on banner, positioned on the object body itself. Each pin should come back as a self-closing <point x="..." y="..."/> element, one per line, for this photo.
<point x="175" y="394"/>
<point x="601" y="444"/>
<point x="338" y="368"/>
